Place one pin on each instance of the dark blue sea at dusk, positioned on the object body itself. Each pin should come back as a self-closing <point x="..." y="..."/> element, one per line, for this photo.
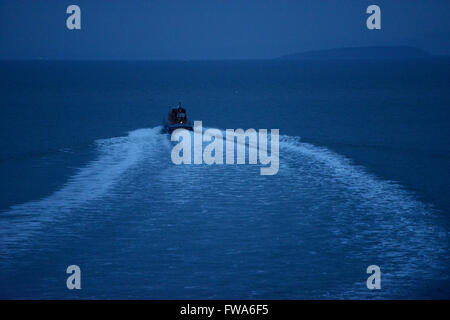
<point x="87" y="179"/>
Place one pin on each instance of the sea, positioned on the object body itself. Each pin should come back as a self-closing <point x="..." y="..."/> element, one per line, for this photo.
<point x="87" y="180"/>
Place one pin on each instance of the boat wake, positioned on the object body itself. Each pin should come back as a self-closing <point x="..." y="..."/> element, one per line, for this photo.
<point x="90" y="183"/>
<point x="324" y="206"/>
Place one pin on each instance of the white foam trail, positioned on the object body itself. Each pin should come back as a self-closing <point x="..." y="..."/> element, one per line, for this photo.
<point x="116" y="156"/>
<point x="353" y="177"/>
<point x="358" y="212"/>
<point x="372" y="216"/>
<point x="403" y="231"/>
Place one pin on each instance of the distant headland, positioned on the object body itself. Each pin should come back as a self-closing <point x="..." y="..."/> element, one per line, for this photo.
<point x="378" y="52"/>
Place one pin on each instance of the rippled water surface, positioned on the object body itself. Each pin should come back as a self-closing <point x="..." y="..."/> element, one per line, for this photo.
<point x="88" y="180"/>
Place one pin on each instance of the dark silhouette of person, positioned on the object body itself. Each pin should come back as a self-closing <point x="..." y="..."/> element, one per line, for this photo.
<point x="181" y="114"/>
<point x="173" y="116"/>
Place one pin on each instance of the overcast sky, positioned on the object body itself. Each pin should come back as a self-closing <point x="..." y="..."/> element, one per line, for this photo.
<point x="214" y="29"/>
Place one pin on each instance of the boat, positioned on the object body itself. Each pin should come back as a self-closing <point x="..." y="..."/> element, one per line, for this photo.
<point x="177" y="119"/>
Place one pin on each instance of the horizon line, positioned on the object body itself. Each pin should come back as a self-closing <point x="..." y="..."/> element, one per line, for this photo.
<point x="218" y="59"/>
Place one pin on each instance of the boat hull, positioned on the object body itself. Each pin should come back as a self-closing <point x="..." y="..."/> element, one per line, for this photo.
<point x="169" y="128"/>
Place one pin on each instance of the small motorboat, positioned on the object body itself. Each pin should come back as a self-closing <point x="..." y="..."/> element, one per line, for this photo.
<point x="177" y="119"/>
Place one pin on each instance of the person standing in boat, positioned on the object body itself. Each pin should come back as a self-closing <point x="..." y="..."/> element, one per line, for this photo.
<point x="173" y="116"/>
<point x="181" y="114"/>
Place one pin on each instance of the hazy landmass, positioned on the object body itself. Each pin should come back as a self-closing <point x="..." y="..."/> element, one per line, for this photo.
<point x="378" y="52"/>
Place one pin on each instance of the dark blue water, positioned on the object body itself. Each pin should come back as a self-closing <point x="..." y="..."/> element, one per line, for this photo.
<point x="86" y="179"/>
